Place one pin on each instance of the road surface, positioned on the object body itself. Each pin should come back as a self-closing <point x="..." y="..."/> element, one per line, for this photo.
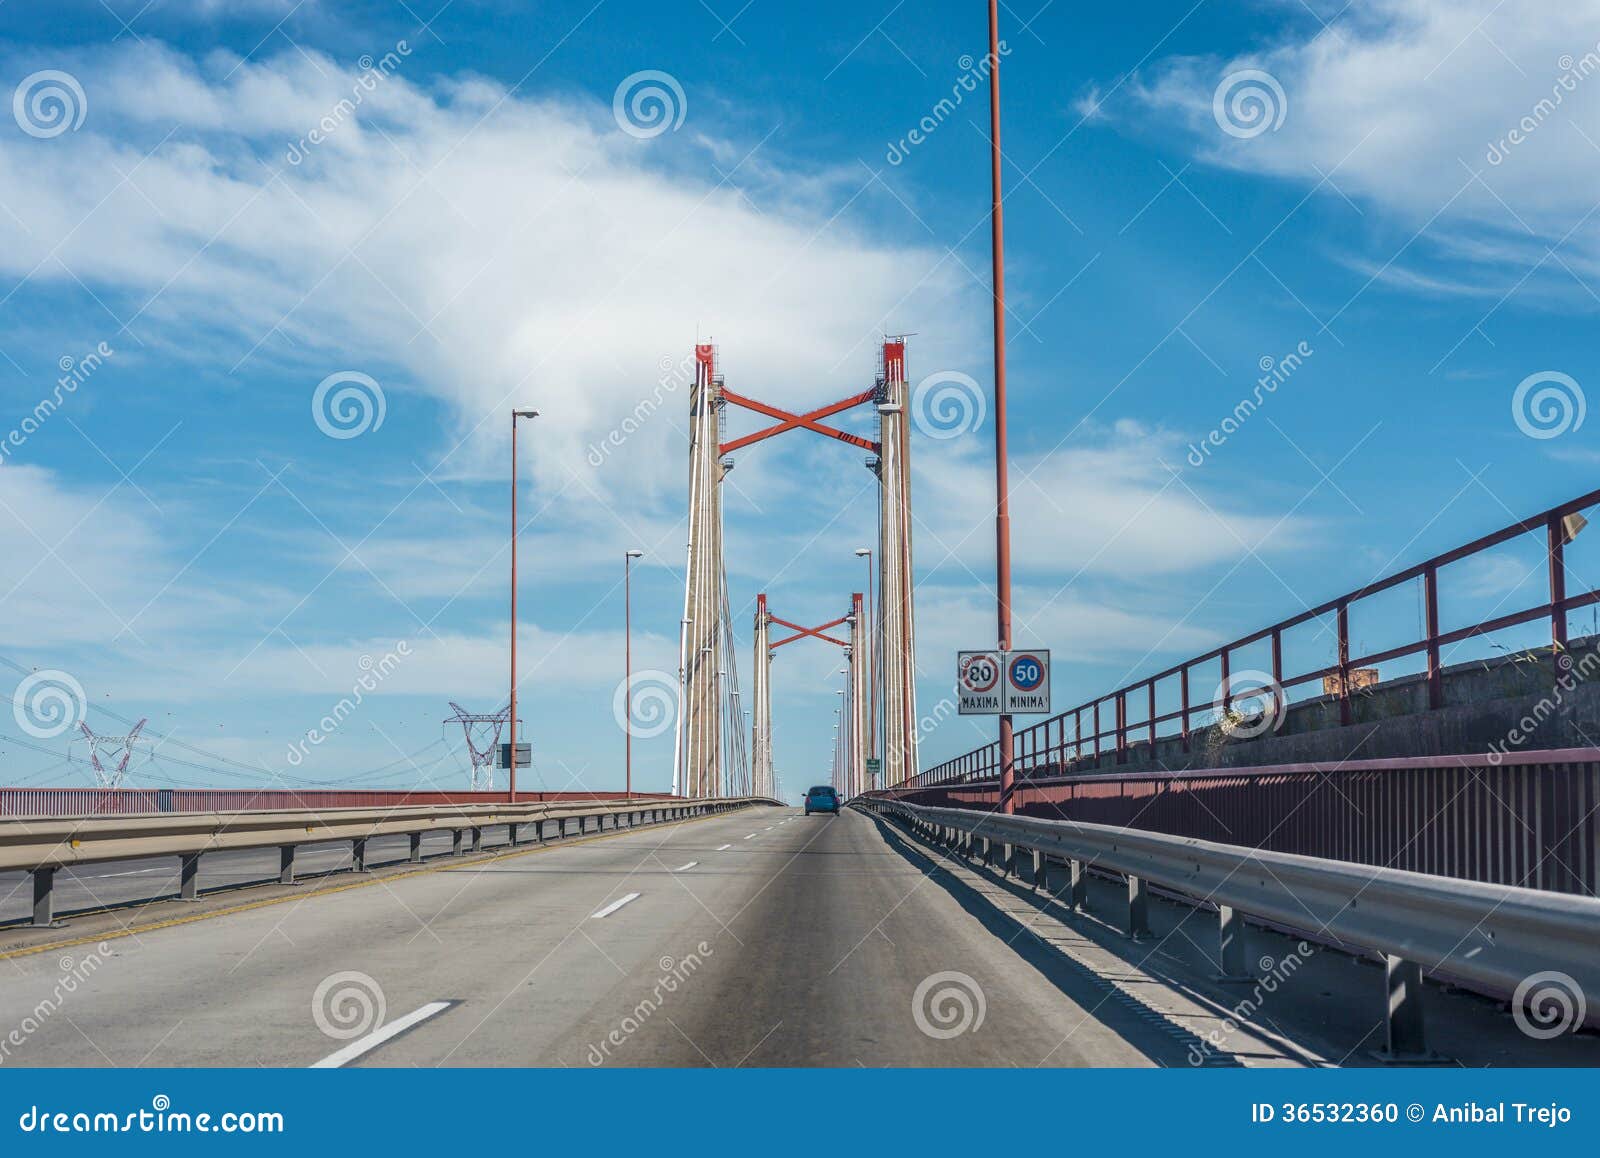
<point x="764" y="938"/>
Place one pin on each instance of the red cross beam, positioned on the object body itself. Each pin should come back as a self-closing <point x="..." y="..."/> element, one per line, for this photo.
<point x="790" y="421"/>
<point x="817" y="632"/>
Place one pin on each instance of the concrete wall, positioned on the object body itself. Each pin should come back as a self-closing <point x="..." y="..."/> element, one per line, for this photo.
<point x="1521" y="701"/>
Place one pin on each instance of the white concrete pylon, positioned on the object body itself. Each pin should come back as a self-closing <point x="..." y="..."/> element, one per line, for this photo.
<point x="697" y="760"/>
<point x="896" y="638"/>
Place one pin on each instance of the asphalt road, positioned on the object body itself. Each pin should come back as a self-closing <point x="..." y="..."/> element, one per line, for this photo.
<point x="762" y="938"/>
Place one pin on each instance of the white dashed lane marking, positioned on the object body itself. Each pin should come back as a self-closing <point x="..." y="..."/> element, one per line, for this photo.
<point x="614" y="906"/>
<point x="365" y="1045"/>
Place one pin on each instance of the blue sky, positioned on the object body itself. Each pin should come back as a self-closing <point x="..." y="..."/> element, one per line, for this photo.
<point x="185" y="541"/>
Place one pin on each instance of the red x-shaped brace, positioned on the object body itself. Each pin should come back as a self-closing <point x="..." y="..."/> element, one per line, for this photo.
<point x="791" y="421"/>
<point x="812" y="631"/>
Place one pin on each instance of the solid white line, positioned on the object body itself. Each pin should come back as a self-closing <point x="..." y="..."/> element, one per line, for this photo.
<point x="614" y="906"/>
<point x="377" y="1037"/>
<point x="725" y="848"/>
<point x="687" y="867"/>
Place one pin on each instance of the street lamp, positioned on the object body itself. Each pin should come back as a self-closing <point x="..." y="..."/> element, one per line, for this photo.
<point x="627" y="657"/>
<point x="515" y="414"/>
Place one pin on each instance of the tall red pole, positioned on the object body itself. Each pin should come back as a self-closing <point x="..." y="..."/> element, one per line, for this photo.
<point x="513" y="728"/>
<point x="515" y="414"/>
<point x="1002" y="509"/>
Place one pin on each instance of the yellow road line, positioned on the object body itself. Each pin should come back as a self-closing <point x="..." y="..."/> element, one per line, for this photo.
<point x="135" y="930"/>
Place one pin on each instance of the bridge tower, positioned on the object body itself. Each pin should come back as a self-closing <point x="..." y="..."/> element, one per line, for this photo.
<point x="704" y="752"/>
<point x="856" y="695"/>
<point x="761" y="712"/>
<point x="698" y="757"/>
<point x="898" y="670"/>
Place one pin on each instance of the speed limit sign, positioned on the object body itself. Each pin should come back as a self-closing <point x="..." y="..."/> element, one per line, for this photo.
<point x="978" y="675"/>
<point x="1027" y="682"/>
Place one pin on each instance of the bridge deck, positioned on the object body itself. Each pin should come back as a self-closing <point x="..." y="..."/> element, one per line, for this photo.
<point x="790" y="941"/>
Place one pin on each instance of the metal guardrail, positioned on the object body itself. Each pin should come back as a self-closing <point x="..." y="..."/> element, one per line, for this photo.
<point x="1165" y="705"/>
<point x="1530" y="819"/>
<point x="42" y="846"/>
<point x="89" y="801"/>
<point x="1490" y="938"/>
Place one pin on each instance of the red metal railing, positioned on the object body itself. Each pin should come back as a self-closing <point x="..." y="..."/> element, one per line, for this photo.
<point x="1102" y="725"/>
<point x="124" y="801"/>
<point x="1530" y="819"/>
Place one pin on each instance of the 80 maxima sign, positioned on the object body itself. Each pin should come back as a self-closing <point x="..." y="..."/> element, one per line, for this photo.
<point x="992" y="683"/>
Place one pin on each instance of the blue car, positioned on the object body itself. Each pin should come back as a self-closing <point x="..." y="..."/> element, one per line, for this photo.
<point x="822" y="799"/>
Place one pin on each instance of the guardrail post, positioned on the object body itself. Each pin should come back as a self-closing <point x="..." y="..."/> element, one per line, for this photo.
<point x="1405" y="1034"/>
<point x="358" y="855"/>
<point x="1138" y="909"/>
<point x="1078" y="886"/>
<point x="1235" y="968"/>
<point x="455" y="842"/>
<point x="189" y="877"/>
<point x="44" y="911"/>
<point x="1039" y="862"/>
<point x="477" y="839"/>
<point x="416" y="848"/>
<point x="286" y="863"/>
<point x="511" y="834"/>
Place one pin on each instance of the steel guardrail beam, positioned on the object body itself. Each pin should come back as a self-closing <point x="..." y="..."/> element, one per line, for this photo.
<point x="33" y="843"/>
<point x="1488" y="937"/>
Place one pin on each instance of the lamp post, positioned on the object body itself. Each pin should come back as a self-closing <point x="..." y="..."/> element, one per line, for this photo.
<point x="515" y="414"/>
<point x="1002" y="507"/>
<point x="870" y="627"/>
<point x="627" y="657"/>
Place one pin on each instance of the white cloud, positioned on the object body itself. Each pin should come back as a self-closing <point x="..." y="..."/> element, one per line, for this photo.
<point x="84" y="565"/>
<point x="1400" y="102"/>
<point x="1112" y="502"/>
<point x="457" y="241"/>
